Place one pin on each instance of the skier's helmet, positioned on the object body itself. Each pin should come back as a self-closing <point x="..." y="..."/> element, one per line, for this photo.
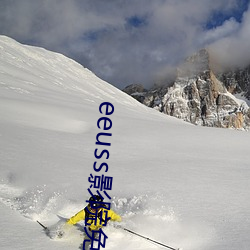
<point x="95" y="200"/>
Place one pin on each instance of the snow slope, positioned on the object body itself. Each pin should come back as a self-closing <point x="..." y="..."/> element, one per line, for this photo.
<point x="182" y="185"/>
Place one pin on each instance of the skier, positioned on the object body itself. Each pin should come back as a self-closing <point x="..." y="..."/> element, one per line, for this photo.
<point x="95" y="214"/>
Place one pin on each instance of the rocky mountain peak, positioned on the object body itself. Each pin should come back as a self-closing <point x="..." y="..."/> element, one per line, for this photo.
<point x="200" y="96"/>
<point x="197" y="64"/>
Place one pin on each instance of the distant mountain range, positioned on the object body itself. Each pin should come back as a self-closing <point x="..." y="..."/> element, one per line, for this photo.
<point x="201" y="94"/>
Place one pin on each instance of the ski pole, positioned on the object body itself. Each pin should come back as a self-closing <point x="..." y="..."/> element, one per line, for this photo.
<point x="150" y="239"/>
<point x="45" y="228"/>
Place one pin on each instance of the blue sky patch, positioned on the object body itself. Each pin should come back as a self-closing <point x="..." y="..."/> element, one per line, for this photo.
<point x="219" y="17"/>
<point x="136" y="21"/>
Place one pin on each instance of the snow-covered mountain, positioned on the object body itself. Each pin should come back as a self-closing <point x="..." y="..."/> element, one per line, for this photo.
<point x="182" y="185"/>
<point x="237" y="81"/>
<point x="201" y="96"/>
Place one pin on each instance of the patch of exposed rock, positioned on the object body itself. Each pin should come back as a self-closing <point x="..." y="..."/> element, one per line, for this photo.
<point x="199" y="96"/>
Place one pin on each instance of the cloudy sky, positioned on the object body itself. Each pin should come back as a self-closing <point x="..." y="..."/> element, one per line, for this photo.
<point x="131" y="41"/>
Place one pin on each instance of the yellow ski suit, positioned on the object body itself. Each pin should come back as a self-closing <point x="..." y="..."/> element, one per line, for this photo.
<point x="81" y="216"/>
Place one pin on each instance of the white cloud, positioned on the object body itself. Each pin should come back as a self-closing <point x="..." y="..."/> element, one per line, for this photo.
<point x="233" y="50"/>
<point x="228" y="28"/>
<point x="97" y="32"/>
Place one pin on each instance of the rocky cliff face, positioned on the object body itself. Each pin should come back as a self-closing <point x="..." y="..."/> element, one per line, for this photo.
<point x="237" y="81"/>
<point x="201" y="97"/>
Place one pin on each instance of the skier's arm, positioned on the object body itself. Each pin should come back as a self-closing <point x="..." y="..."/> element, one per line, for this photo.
<point x="114" y="216"/>
<point x="76" y="218"/>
